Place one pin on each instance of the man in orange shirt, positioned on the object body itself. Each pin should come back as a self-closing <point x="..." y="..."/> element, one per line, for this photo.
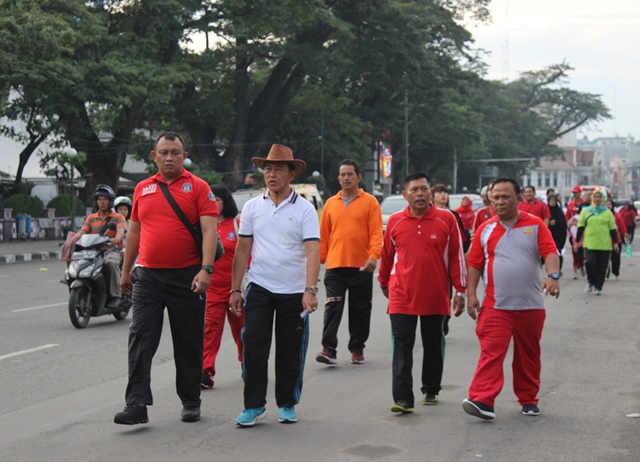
<point x="350" y="242"/>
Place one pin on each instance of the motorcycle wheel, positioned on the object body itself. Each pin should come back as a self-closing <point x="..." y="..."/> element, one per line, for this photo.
<point x="79" y="307"/>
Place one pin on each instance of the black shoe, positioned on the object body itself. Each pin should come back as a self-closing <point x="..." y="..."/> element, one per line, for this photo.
<point x="190" y="414"/>
<point x="207" y="380"/>
<point x="132" y="414"/>
<point x="478" y="409"/>
<point x="530" y="409"/>
<point x="430" y="399"/>
<point x="401" y="406"/>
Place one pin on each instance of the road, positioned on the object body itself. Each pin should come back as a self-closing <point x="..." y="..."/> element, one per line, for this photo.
<point x="61" y="387"/>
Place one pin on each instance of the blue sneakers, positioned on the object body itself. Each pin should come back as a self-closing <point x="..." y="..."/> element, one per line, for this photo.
<point x="249" y="417"/>
<point x="287" y="415"/>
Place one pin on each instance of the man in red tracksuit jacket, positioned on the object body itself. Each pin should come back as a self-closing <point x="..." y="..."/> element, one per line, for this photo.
<point x="421" y="257"/>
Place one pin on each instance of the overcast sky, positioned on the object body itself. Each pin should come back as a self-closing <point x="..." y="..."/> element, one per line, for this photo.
<point x="599" y="39"/>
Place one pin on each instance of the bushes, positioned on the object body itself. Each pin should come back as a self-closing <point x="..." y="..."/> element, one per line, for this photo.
<point x="24" y="204"/>
<point x="62" y="204"/>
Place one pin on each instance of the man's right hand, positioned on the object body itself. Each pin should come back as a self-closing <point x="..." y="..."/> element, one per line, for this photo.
<point x="473" y="306"/>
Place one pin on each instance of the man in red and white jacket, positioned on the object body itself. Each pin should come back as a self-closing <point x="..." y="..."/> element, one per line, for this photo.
<point x="506" y="252"/>
<point x="421" y="257"/>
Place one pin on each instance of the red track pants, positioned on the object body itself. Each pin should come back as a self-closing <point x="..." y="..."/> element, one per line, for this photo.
<point x="214" y="326"/>
<point x="494" y="329"/>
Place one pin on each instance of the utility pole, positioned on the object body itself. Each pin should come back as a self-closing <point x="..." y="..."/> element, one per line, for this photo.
<point x="455" y="170"/>
<point x="406" y="133"/>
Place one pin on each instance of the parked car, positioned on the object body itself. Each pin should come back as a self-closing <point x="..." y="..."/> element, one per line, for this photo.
<point x="391" y="205"/>
<point x="308" y="191"/>
<point x="456" y="199"/>
<point x="241" y="196"/>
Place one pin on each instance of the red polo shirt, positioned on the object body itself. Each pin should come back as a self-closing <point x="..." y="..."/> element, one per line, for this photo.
<point x="165" y="241"/>
<point x="538" y="209"/>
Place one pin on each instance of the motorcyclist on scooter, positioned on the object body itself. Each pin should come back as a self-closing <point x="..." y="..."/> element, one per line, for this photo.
<point x="96" y="223"/>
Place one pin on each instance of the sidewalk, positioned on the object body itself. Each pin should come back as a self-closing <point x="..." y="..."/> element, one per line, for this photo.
<point x="21" y="251"/>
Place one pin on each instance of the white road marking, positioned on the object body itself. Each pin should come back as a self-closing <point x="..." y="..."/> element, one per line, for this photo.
<point x="30" y="350"/>
<point x="38" y="307"/>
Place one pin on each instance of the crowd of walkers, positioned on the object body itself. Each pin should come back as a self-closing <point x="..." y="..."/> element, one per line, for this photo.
<point x="431" y="261"/>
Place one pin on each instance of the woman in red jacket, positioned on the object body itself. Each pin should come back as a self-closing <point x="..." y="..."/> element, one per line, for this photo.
<point x="467" y="215"/>
<point x="629" y="213"/>
<point x="218" y="294"/>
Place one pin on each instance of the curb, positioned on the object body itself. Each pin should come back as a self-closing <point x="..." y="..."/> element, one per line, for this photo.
<point x="26" y="257"/>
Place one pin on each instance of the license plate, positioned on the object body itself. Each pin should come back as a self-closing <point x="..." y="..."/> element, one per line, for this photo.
<point x="84" y="254"/>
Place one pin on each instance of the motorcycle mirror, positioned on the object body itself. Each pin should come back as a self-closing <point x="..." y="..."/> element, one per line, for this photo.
<point x="111" y="226"/>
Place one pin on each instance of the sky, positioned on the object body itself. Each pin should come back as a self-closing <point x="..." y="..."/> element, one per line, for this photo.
<point x="599" y="39"/>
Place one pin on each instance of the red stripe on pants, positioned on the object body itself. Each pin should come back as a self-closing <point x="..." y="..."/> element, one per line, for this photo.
<point x="494" y="329"/>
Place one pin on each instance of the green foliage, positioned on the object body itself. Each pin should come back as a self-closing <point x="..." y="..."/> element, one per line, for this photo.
<point x="321" y="77"/>
<point x="24" y="204"/>
<point x="62" y="204"/>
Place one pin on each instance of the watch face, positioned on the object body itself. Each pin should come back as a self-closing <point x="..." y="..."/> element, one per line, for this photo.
<point x="554" y="276"/>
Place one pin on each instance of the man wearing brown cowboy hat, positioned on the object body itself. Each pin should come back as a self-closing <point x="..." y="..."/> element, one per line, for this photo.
<point x="279" y="230"/>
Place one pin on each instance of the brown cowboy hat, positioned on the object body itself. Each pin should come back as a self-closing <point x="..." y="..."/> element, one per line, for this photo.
<point x="281" y="153"/>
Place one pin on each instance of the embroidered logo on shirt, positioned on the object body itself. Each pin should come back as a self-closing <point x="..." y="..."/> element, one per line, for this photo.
<point x="211" y="196"/>
<point x="187" y="187"/>
<point x="528" y="231"/>
<point x="231" y="236"/>
<point x="433" y="236"/>
<point x="149" y="189"/>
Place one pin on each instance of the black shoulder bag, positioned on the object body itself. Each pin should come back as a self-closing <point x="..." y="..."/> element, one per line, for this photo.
<point x="195" y="230"/>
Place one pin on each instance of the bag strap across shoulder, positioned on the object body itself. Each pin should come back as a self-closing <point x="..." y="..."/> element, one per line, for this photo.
<point x="176" y="208"/>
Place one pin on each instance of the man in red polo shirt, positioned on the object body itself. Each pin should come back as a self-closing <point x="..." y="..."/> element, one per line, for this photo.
<point x="171" y="273"/>
<point x="506" y="252"/>
<point x="535" y="207"/>
<point x="421" y="258"/>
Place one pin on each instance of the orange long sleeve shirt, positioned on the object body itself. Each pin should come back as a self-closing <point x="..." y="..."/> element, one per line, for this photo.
<point x="350" y="232"/>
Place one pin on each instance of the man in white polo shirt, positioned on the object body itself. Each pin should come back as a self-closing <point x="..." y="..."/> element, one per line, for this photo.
<point x="280" y="232"/>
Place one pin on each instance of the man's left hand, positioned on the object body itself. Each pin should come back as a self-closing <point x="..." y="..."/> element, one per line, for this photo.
<point x="309" y="302"/>
<point x="551" y="286"/>
<point x="458" y="305"/>
<point x="369" y="265"/>
<point x="201" y="282"/>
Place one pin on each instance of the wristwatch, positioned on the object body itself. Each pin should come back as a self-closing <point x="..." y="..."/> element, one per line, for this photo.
<point x="554" y="275"/>
<point x="208" y="268"/>
<point x="461" y="294"/>
<point x="313" y="290"/>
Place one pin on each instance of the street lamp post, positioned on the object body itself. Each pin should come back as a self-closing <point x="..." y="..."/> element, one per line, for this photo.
<point x="71" y="153"/>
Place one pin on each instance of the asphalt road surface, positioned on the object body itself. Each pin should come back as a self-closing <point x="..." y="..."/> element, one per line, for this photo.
<point x="61" y="387"/>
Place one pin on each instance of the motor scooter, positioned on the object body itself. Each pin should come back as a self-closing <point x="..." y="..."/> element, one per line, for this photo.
<point x="88" y="292"/>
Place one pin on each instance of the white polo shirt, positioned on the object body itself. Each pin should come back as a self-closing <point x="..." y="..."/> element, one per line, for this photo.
<point x="278" y="258"/>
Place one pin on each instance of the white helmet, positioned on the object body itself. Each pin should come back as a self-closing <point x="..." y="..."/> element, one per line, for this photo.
<point x="123" y="200"/>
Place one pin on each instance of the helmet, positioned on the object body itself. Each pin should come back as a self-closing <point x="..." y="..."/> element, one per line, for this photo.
<point x="123" y="200"/>
<point x="103" y="190"/>
<point x="120" y="200"/>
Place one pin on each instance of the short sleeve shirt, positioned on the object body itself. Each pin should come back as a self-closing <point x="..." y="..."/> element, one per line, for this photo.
<point x="94" y="223"/>
<point x="538" y="209"/>
<point x="510" y="260"/>
<point x="278" y="257"/>
<point x="165" y="241"/>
